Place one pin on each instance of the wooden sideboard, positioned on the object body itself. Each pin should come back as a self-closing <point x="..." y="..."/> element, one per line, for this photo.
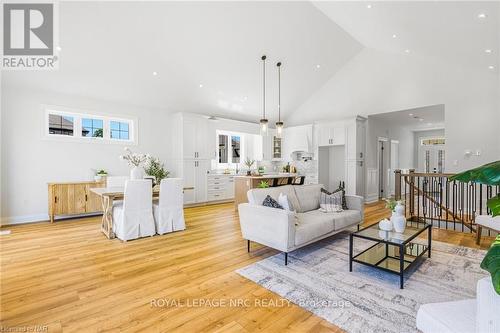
<point x="73" y="198"/>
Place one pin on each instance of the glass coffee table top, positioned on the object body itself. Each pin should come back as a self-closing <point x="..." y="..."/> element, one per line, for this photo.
<point x="374" y="233"/>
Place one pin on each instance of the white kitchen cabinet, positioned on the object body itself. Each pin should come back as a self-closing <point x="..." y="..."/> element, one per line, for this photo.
<point x="194" y="138"/>
<point x="195" y="175"/>
<point x="220" y="187"/>
<point x="331" y="134"/>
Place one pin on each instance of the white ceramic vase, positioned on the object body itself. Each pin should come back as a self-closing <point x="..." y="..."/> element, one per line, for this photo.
<point x="398" y="218"/>
<point x="385" y="225"/>
<point x="136" y="173"/>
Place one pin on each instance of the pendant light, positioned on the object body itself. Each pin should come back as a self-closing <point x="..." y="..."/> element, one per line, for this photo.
<point x="264" y="123"/>
<point x="279" y="123"/>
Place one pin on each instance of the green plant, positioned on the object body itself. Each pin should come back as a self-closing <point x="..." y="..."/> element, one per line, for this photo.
<point x="488" y="174"/>
<point x="249" y="163"/>
<point x="491" y="263"/>
<point x="263" y="184"/>
<point x="156" y="169"/>
<point x="101" y="172"/>
<point x="391" y="203"/>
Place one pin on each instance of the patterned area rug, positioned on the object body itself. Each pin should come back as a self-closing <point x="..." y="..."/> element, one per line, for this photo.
<point x="317" y="278"/>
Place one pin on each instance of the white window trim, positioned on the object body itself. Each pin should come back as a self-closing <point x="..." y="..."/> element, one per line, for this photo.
<point x="78" y="115"/>
<point x="230" y="165"/>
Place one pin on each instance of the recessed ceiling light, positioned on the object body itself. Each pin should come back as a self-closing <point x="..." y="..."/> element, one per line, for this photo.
<point x="369" y="6"/>
<point x="487" y="51"/>
<point x="201" y="85"/>
<point x="58" y="48"/>
<point x="429" y="124"/>
<point x="407" y="51"/>
<point x="421" y="119"/>
<point x="491" y="67"/>
<point x="394" y="36"/>
<point x="318" y="66"/>
<point x="482" y="16"/>
<point x="155" y="73"/>
<point x="411" y="114"/>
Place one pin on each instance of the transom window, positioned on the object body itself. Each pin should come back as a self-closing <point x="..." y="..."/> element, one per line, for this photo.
<point x="67" y="125"/>
<point x="432" y="141"/>
<point x="119" y="130"/>
<point x="229" y="148"/>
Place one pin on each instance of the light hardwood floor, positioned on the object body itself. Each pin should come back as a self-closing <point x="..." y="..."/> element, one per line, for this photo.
<point x="70" y="277"/>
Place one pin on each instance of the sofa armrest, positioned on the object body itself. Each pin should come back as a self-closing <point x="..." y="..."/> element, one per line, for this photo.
<point x="488" y="303"/>
<point x="356" y="202"/>
<point x="268" y="226"/>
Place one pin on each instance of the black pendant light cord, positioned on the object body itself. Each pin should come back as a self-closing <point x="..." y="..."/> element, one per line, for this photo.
<point x="279" y="91"/>
<point x="264" y="86"/>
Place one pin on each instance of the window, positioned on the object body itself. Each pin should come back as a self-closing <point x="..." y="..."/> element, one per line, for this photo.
<point x="92" y="128"/>
<point x="67" y="125"/>
<point x="61" y="125"/>
<point x="228" y="155"/>
<point x="119" y="130"/>
<point x="432" y="141"/>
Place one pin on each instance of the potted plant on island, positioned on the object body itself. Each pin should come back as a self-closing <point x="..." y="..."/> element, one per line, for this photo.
<point x="249" y="163"/>
<point x="488" y="174"/>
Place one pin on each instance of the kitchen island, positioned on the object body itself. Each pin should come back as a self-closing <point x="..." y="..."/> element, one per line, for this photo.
<point x="244" y="183"/>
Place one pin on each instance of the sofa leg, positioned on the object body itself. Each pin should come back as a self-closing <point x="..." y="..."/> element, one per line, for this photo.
<point x="248" y="246"/>
<point x="358" y="227"/>
<point x="286" y="258"/>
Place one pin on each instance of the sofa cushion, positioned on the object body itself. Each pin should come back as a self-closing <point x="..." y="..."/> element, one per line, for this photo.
<point x="256" y="196"/>
<point x="311" y="225"/>
<point x="270" y="202"/>
<point x="346" y="218"/>
<point x="308" y="197"/>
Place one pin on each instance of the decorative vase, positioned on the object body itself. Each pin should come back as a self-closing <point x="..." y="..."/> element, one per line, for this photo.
<point x="398" y="219"/>
<point x="385" y="225"/>
<point x="136" y="173"/>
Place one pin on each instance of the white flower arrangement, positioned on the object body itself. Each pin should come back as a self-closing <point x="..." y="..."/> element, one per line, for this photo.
<point x="134" y="159"/>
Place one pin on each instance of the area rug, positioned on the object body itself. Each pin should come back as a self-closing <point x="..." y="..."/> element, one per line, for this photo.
<point x="317" y="278"/>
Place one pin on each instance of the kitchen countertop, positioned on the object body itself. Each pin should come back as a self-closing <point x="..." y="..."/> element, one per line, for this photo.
<point x="264" y="176"/>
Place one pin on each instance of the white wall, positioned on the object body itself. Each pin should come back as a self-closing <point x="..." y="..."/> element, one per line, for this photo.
<point x="376" y="82"/>
<point x="28" y="161"/>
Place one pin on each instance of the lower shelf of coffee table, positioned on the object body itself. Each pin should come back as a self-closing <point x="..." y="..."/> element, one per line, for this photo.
<point x="386" y="256"/>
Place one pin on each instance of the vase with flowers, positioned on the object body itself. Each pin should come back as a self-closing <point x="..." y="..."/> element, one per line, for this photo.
<point x="136" y="162"/>
<point x="398" y="219"/>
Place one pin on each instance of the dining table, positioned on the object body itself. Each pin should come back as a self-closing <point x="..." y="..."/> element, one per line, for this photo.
<point x="110" y="194"/>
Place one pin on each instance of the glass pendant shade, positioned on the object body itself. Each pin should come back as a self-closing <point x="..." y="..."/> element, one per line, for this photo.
<point x="279" y="129"/>
<point x="264" y="127"/>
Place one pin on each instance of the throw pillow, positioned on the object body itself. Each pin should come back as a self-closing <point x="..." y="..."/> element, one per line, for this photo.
<point x="270" y="202"/>
<point x="331" y="201"/>
<point x="284" y="202"/>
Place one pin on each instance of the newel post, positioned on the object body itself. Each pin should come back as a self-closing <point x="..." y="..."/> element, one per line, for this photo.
<point x="397" y="184"/>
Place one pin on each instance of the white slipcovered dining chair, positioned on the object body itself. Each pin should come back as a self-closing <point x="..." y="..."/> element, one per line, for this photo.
<point x="168" y="211"/>
<point x="116" y="181"/>
<point x="133" y="217"/>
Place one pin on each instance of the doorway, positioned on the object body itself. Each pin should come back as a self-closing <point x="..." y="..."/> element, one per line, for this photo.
<point x="383" y="157"/>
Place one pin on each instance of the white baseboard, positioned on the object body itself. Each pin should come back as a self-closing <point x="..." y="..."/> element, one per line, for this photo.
<point x="9" y="220"/>
<point x="371" y="198"/>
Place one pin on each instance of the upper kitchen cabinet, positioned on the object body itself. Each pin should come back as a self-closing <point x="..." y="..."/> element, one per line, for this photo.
<point x="297" y="138"/>
<point x="331" y="134"/>
<point x="194" y="138"/>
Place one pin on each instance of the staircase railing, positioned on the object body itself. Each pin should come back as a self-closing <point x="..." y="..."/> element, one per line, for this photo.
<point x="433" y="198"/>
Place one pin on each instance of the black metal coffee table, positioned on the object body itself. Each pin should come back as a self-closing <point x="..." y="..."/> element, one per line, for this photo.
<point x="392" y="252"/>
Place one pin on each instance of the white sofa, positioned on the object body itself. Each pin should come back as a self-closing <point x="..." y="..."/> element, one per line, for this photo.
<point x="286" y="230"/>
<point x="480" y="315"/>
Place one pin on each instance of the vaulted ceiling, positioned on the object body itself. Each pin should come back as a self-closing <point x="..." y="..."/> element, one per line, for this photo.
<point x="207" y="54"/>
<point x="109" y="51"/>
